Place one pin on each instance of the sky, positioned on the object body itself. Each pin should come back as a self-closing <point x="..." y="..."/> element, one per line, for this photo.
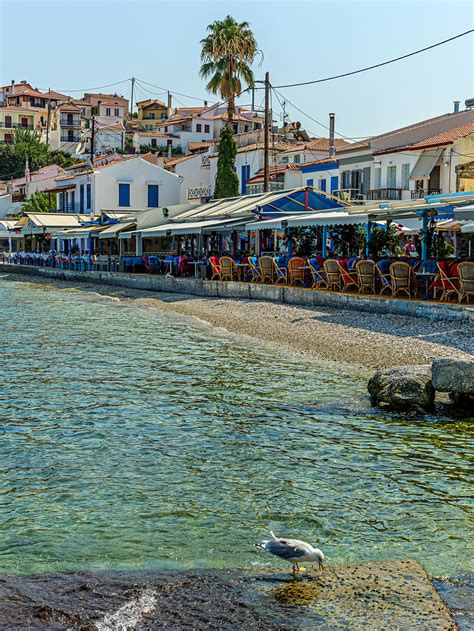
<point x="70" y="45"/>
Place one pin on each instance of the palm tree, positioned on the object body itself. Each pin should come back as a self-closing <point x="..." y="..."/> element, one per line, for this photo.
<point x="227" y="54"/>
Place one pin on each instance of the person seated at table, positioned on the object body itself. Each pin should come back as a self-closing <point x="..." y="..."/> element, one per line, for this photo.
<point x="184" y="266"/>
<point x="410" y="249"/>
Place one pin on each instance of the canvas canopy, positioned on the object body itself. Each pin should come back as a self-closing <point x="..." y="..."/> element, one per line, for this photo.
<point x="425" y="163"/>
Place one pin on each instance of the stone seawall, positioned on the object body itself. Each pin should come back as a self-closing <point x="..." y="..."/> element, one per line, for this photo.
<point x="297" y="296"/>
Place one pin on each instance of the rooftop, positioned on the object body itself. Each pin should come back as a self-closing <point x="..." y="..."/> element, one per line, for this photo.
<point x="444" y="138"/>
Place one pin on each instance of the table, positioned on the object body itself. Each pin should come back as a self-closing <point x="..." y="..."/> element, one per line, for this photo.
<point x="425" y="278"/>
<point x="243" y="266"/>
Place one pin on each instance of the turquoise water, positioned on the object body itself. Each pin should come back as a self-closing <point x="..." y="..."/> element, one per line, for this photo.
<point x="133" y="439"/>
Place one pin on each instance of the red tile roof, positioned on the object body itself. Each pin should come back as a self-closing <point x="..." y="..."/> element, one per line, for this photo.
<point x="322" y="144"/>
<point x="444" y="138"/>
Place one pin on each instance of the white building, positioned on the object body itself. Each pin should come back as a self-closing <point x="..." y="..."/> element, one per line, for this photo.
<point x="195" y="171"/>
<point x="129" y="184"/>
<point x="188" y="129"/>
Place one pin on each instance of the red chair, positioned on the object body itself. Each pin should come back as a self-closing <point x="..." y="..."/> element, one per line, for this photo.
<point x="348" y="280"/>
<point x="215" y="268"/>
<point x="447" y="280"/>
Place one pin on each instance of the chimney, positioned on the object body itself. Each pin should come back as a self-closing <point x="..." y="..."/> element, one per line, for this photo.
<point x="205" y="104"/>
<point x="332" y="117"/>
<point x="456" y="106"/>
<point x="169" y="110"/>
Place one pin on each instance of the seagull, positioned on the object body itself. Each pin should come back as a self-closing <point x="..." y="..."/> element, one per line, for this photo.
<point x="293" y="551"/>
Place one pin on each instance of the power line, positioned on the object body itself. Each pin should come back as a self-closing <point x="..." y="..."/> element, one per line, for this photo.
<point x="99" y="87"/>
<point x="383" y="63"/>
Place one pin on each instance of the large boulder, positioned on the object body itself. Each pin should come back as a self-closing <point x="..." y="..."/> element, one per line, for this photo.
<point x="403" y="388"/>
<point x="454" y="375"/>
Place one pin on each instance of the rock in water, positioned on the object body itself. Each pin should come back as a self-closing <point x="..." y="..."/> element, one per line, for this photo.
<point x="404" y="388"/>
<point x="455" y="376"/>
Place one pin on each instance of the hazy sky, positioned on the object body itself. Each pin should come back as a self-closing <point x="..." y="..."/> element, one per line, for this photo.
<point x="70" y="45"/>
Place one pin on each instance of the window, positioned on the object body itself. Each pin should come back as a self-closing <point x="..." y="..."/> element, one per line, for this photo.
<point x="310" y="182"/>
<point x="199" y="127"/>
<point x="124" y="195"/>
<point x="378" y="178"/>
<point x="163" y="116"/>
<point x="284" y="160"/>
<point x="88" y="197"/>
<point x="153" y="195"/>
<point x="207" y="129"/>
<point x="405" y="176"/>
<point x="153" y="142"/>
<point x="392" y="176"/>
<point x="117" y="111"/>
<point x="297" y="158"/>
<point x="322" y="184"/>
<point x="334" y="183"/>
<point x="107" y="111"/>
<point x="152" y="116"/>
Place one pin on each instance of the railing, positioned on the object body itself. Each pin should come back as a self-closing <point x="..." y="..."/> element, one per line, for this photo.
<point x="68" y="122"/>
<point x="205" y="162"/>
<point x="75" y="138"/>
<point x="197" y="192"/>
<point x="4" y="125"/>
<point x="385" y="193"/>
<point x="349" y="195"/>
<point x="421" y="192"/>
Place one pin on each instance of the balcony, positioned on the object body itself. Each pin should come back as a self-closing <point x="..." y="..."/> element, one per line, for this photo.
<point x="70" y="122"/>
<point x="422" y="192"/>
<point x="198" y="192"/>
<point x="74" y="138"/>
<point x="349" y="195"/>
<point x="205" y="162"/>
<point x="7" y="125"/>
<point x="385" y="193"/>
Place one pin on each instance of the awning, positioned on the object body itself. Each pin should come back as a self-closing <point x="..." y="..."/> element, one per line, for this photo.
<point x="192" y="227"/>
<point x="59" y="189"/>
<point x="112" y="231"/>
<point x="425" y="164"/>
<point x="468" y="227"/>
<point x="269" y="224"/>
<point x="79" y="233"/>
<point x="327" y="219"/>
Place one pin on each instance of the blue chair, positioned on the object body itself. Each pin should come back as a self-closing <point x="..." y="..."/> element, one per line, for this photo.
<point x="383" y="271"/>
<point x="254" y="269"/>
<point x="281" y="270"/>
<point x="351" y="263"/>
<point x="317" y="273"/>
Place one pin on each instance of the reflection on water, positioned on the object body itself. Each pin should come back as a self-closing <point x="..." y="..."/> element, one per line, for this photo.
<point x="134" y="439"/>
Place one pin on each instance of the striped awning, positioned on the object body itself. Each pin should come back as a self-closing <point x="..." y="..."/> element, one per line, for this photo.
<point x="425" y="163"/>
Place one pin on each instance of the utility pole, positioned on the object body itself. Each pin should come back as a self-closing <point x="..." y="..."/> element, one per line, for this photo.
<point x="49" y="116"/>
<point x="253" y="97"/>
<point x="266" y="136"/>
<point x="131" y="98"/>
<point x="92" y="139"/>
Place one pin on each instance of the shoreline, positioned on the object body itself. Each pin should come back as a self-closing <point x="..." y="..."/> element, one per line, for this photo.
<point x="368" y="340"/>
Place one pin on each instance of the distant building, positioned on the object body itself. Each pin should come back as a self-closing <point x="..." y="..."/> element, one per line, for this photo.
<point x="150" y="113"/>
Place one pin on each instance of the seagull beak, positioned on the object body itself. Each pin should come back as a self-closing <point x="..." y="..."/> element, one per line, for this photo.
<point x="321" y="566"/>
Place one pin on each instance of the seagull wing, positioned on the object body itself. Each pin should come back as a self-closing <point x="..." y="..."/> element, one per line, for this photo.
<point x="288" y="548"/>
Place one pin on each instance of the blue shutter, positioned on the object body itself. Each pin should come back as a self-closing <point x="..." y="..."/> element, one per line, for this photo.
<point x="334" y="183"/>
<point x="153" y="195"/>
<point x="88" y="197"/>
<point x="244" y="177"/>
<point x="323" y="185"/>
<point x="310" y="182"/>
<point x="72" y="206"/>
<point x="61" y="201"/>
<point x="124" y="195"/>
<point x="81" y="198"/>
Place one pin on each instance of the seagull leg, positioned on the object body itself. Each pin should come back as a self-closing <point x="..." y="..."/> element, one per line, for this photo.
<point x="295" y="570"/>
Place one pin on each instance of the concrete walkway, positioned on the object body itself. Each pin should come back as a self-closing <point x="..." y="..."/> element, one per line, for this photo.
<point x="298" y="296"/>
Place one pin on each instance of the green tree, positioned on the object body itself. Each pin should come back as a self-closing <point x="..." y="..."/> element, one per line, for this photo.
<point x="27" y="145"/>
<point x="227" y="54"/>
<point x="227" y="180"/>
<point x="38" y="202"/>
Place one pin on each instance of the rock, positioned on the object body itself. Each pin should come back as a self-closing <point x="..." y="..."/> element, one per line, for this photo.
<point x="404" y="388"/>
<point x="453" y="375"/>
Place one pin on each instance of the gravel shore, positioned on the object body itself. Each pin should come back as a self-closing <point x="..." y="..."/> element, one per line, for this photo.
<point x="355" y="337"/>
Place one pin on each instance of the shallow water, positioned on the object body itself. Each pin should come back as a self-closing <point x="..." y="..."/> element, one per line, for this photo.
<point x="133" y="439"/>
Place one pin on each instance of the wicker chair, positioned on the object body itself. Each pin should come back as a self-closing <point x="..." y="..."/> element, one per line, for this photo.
<point x="215" y="268"/>
<point x="466" y="280"/>
<point x="385" y="280"/>
<point x="296" y="270"/>
<point x="228" y="268"/>
<point x="281" y="272"/>
<point x="403" y="279"/>
<point x="366" y="274"/>
<point x="254" y="271"/>
<point x="447" y="280"/>
<point x="267" y="269"/>
<point x="333" y="274"/>
<point x="317" y="274"/>
<point x="347" y="279"/>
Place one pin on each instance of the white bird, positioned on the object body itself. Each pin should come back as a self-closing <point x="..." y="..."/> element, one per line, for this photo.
<point x="293" y="551"/>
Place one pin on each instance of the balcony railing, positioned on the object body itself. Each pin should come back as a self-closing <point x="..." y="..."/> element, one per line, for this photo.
<point x="349" y="195"/>
<point x="385" y="193"/>
<point x="70" y="122"/>
<point x="75" y="138"/>
<point x="197" y="192"/>
<point x="4" y="125"/>
<point x="421" y="192"/>
<point x="205" y="162"/>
